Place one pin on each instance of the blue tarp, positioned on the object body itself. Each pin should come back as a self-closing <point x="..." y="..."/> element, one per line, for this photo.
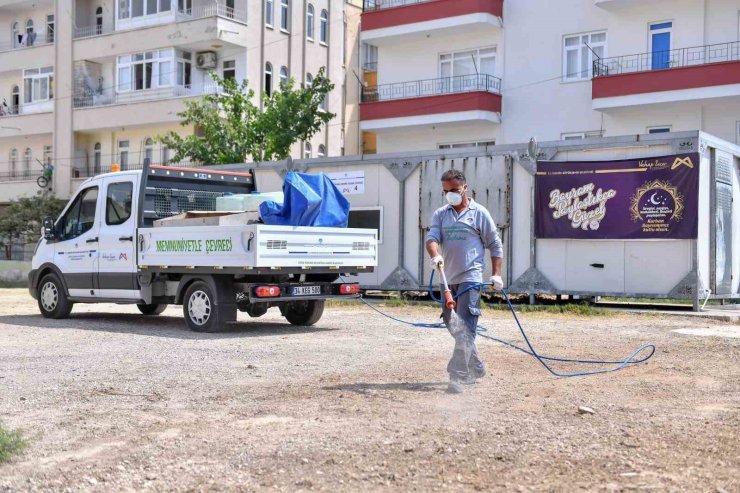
<point x="310" y="200"/>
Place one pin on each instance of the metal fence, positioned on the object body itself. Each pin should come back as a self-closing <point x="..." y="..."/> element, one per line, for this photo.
<point x="432" y="87"/>
<point x="88" y="166"/>
<point x="28" y="40"/>
<point x="658" y="60"/>
<point x="389" y="4"/>
<point x="20" y="175"/>
<point x="87" y="98"/>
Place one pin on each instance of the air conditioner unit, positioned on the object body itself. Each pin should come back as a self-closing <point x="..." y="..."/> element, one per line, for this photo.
<point x="205" y="60"/>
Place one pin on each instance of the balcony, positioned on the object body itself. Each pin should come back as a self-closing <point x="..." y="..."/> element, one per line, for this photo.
<point x="387" y="21"/>
<point x="475" y="97"/>
<point x="685" y="74"/>
<point x="181" y="15"/>
<point x="196" y="28"/>
<point x="15" y="54"/>
<point x="26" y="119"/>
<point x="93" y="165"/>
<point x="108" y="109"/>
<point x="617" y="5"/>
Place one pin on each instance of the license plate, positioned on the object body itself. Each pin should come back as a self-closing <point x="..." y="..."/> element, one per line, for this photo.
<point x="305" y="290"/>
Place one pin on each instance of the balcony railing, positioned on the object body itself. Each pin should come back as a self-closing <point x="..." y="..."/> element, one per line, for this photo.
<point x="85" y="167"/>
<point x="25" y="40"/>
<point x="370" y="5"/>
<point x="659" y="60"/>
<point x="181" y="15"/>
<point x="20" y="175"/>
<point x="432" y="87"/>
<point x="212" y="10"/>
<point x="89" y="99"/>
<point x="7" y="110"/>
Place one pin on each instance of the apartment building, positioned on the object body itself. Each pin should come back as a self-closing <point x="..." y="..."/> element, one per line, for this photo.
<point x="85" y="84"/>
<point x="448" y="73"/>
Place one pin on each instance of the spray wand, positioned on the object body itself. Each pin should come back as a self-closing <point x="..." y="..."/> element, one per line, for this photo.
<point x="449" y="300"/>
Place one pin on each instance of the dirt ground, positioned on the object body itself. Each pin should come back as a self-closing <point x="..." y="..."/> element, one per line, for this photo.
<point x="112" y="401"/>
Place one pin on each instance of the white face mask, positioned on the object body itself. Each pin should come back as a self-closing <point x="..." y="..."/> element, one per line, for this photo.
<point x="454" y="198"/>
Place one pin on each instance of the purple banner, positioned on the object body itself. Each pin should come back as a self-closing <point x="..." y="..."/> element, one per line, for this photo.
<point x="627" y="199"/>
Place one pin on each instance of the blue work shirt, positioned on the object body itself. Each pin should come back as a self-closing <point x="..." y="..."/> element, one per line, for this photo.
<point x="464" y="238"/>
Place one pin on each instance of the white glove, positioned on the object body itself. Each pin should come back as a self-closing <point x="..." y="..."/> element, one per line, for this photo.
<point x="437" y="262"/>
<point x="498" y="283"/>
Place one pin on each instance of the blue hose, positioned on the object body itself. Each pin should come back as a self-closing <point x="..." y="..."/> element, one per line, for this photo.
<point x="631" y="360"/>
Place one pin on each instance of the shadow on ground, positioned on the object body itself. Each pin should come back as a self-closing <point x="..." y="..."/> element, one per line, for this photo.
<point x="369" y="388"/>
<point x="160" y="326"/>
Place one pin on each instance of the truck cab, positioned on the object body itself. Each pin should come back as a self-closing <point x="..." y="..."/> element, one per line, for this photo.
<point x="105" y="247"/>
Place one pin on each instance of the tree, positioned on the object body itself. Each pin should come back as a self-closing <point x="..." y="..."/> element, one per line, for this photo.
<point x="21" y="220"/>
<point x="230" y="127"/>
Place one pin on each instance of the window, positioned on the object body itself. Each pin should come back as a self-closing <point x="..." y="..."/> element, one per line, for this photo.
<point x="307" y="151"/>
<point x="97" y="158"/>
<point x="324" y="27"/>
<point x="269" y="10"/>
<point x="15" y="100"/>
<point x="461" y="69"/>
<point x="140" y="8"/>
<point x="48" y="154"/>
<point x="268" y="78"/>
<point x="15" y="35"/>
<point x="165" y="155"/>
<point x="142" y="71"/>
<point x="367" y="218"/>
<point x="123" y="154"/>
<point x="229" y="71"/>
<point x="579" y="53"/>
<point x="369" y="57"/>
<point x="99" y="20"/>
<point x="50" y="28"/>
<point x="581" y="135"/>
<point x="460" y="145"/>
<point x="659" y="130"/>
<point x="38" y="84"/>
<point x="148" y="151"/>
<point x="309" y="79"/>
<point x="309" y="22"/>
<point x="322" y="151"/>
<point x="118" y="203"/>
<point x="80" y="217"/>
<point x="13" y="161"/>
<point x="27" y="156"/>
<point x="284" y="12"/>
<point x="283" y="76"/>
<point x="29" y="26"/>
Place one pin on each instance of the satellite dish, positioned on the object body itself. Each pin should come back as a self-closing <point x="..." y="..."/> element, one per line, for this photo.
<point x="532" y="148"/>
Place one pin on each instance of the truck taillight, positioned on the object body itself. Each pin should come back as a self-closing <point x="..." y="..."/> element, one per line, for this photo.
<point x="267" y="291"/>
<point x="349" y="289"/>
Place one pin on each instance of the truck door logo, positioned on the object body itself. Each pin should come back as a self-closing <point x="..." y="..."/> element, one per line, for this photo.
<point x="123" y="256"/>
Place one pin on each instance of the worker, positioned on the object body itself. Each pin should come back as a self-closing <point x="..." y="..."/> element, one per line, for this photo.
<point x="464" y="229"/>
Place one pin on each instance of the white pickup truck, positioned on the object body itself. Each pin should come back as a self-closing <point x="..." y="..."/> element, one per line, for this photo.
<point x="104" y="248"/>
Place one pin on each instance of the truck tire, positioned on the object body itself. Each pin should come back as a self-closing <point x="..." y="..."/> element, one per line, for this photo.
<point x="53" y="302"/>
<point x="200" y="310"/>
<point x="151" y="309"/>
<point x="304" y="312"/>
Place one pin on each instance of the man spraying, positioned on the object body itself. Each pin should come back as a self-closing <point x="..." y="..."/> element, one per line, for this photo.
<point x="464" y="230"/>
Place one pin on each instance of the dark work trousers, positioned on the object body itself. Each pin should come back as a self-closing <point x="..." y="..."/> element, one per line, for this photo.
<point x="465" y="361"/>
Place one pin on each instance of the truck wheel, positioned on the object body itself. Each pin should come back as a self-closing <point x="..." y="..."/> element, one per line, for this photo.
<point x="199" y="308"/>
<point x="151" y="309"/>
<point x="304" y="312"/>
<point x="53" y="303"/>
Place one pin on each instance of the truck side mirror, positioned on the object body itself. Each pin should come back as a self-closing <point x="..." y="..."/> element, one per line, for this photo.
<point x="48" y="228"/>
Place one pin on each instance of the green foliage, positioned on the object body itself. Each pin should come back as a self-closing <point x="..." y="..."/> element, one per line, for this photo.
<point x="11" y="442"/>
<point x="21" y="219"/>
<point x="230" y="127"/>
